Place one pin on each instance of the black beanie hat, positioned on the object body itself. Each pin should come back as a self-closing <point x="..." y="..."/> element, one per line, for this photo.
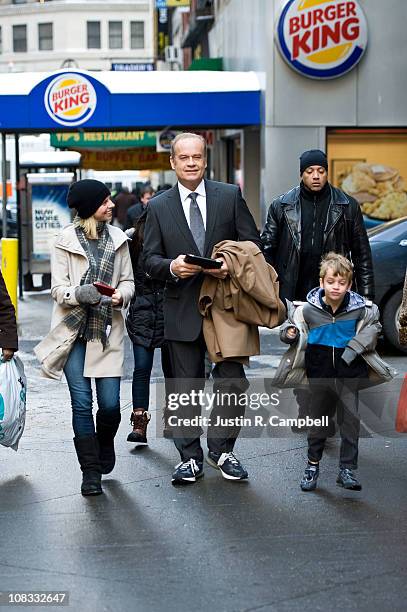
<point x="314" y="157"/>
<point x="86" y="196"/>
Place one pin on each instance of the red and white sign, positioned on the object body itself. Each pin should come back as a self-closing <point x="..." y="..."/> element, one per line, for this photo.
<point x="70" y="99"/>
<point x="322" y="39"/>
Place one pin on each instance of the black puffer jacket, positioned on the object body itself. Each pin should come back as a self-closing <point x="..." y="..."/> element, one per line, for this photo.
<point x="145" y="320"/>
<point x="344" y="233"/>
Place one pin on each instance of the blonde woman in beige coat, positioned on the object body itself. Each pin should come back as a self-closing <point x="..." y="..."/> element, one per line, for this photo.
<point x="87" y="328"/>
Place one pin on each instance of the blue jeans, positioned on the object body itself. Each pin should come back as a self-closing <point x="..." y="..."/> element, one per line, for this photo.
<point x="143" y="364"/>
<point x="80" y="388"/>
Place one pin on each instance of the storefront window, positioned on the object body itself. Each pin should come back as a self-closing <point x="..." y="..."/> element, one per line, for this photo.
<point x="371" y="165"/>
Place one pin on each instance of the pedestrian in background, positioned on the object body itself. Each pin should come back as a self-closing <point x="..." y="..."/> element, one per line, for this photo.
<point x="338" y="327"/>
<point x="136" y="210"/>
<point x="8" y="324"/>
<point x="145" y="326"/>
<point x="122" y="202"/>
<point x="87" y="330"/>
<point x="307" y="222"/>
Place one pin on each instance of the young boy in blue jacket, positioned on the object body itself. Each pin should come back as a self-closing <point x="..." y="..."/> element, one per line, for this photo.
<point x="334" y="363"/>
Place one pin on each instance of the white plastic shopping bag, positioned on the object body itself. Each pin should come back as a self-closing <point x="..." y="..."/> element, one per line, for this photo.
<point x="12" y="402"/>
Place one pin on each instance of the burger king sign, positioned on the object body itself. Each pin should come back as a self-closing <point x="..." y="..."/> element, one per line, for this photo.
<point x="322" y="39"/>
<point x="70" y="99"/>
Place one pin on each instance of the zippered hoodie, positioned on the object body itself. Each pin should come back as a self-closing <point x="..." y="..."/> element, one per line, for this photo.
<point x="339" y="329"/>
<point x="354" y="329"/>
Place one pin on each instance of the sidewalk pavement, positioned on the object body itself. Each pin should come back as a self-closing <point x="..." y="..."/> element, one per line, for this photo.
<point x="146" y="546"/>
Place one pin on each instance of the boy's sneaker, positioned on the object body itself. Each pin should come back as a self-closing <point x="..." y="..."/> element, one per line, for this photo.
<point x="310" y="477"/>
<point x="230" y="467"/>
<point x="187" y="472"/>
<point x="348" y="480"/>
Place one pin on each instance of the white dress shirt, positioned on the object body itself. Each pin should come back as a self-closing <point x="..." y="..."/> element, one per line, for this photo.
<point x="186" y="200"/>
<point x="186" y="204"/>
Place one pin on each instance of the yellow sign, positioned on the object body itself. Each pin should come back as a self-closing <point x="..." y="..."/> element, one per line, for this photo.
<point x="124" y="159"/>
<point x="178" y="3"/>
<point x="9" y="267"/>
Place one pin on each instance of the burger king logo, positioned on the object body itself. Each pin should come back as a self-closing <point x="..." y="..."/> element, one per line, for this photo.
<point x="322" y="39"/>
<point x="70" y="99"/>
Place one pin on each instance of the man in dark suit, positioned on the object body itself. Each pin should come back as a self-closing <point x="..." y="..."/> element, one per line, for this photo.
<point x="192" y="217"/>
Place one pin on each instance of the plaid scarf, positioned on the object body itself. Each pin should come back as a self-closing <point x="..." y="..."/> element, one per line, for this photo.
<point x="94" y="322"/>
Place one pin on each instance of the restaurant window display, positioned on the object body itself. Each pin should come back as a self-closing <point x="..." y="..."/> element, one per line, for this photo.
<point x="371" y="166"/>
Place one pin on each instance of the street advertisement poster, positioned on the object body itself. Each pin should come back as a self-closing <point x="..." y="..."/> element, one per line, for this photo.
<point x="50" y="213"/>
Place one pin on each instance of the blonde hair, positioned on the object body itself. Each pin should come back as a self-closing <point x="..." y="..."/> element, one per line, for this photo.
<point x="338" y="264"/>
<point x="184" y="136"/>
<point x="88" y="225"/>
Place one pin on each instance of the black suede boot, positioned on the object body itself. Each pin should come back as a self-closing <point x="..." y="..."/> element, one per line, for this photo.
<point x="87" y="449"/>
<point x="106" y="429"/>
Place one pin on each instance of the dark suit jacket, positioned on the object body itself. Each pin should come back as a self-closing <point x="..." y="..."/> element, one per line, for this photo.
<point x="167" y="235"/>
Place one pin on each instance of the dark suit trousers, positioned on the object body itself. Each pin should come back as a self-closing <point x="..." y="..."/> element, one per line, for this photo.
<point x="188" y="369"/>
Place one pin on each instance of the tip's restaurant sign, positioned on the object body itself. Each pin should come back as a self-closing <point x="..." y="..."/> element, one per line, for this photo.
<point x="322" y="39"/>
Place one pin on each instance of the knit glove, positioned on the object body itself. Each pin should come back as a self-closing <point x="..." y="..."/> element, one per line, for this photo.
<point x="87" y="294"/>
<point x="349" y="355"/>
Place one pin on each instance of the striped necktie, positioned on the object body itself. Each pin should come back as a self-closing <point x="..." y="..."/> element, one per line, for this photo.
<point x="196" y="223"/>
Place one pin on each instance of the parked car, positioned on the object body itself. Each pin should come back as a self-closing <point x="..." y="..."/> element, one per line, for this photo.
<point x="389" y="249"/>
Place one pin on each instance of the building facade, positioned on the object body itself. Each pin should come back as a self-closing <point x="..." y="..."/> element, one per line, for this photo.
<point x="360" y="118"/>
<point x="91" y="34"/>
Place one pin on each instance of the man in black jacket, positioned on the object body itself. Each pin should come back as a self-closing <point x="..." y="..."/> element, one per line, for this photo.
<point x="304" y="224"/>
<point x="192" y="217"/>
<point x="308" y="222"/>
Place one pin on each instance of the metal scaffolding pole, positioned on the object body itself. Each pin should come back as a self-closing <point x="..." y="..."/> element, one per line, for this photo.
<point x="18" y="199"/>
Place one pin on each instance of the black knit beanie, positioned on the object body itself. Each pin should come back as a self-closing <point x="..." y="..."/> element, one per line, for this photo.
<point x="314" y="157"/>
<point x="86" y="196"/>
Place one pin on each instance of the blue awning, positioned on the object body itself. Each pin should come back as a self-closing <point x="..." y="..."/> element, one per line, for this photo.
<point x="118" y="100"/>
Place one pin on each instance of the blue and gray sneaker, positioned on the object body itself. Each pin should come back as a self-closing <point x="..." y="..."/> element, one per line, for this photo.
<point x="187" y="472"/>
<point x="230" y="467"/>
<point x="310" y="477"/>
<point x="347" y="480"/>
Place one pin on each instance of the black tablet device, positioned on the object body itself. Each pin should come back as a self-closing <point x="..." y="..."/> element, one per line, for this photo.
<point x="204" y="262"/>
